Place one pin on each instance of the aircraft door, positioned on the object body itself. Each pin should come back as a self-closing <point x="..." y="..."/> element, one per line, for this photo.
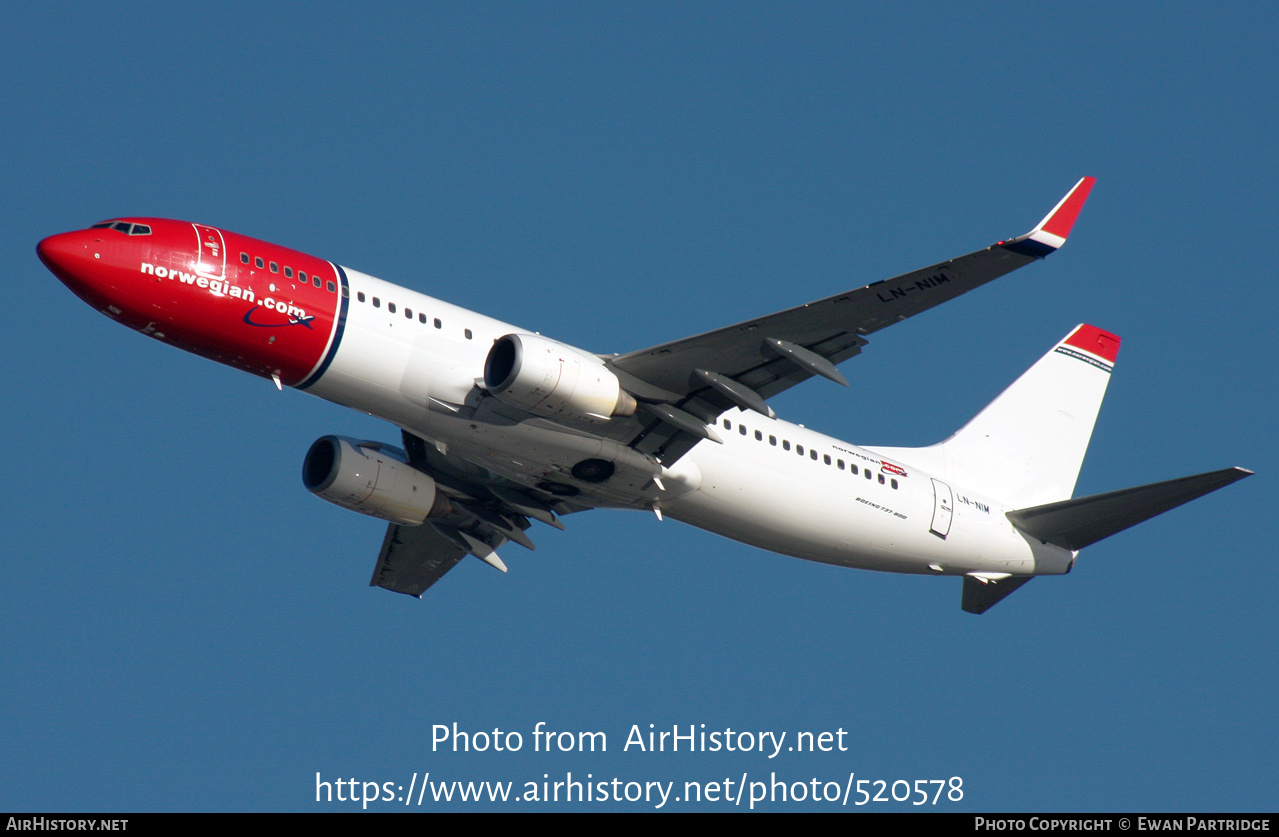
<point x="211" y="262"/>
<point x="943" y="509"/>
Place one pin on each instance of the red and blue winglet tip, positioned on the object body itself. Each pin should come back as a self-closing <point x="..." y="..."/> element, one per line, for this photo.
<point x="1051" y="232"/>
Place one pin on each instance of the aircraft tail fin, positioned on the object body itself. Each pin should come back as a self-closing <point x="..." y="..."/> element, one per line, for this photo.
<point x="1076" y="523"/>
<point x="1026" y="447"/>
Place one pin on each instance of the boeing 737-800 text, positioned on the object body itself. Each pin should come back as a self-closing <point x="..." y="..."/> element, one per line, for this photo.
<point x="502" y="426"/>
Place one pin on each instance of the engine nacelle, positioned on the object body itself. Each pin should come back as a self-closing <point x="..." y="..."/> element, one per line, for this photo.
<point x="371" y="479"/>
<point x="552" y="379"/>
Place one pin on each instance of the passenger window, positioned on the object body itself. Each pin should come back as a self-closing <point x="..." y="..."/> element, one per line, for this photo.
<point x="377" y="303"/>
<point x="785" y="444"/>
<point x="257" y="260"/>
<point x="438" y="324"/>
<point x="275" y="267"/>
<point x="741" y="428"/>
<point x="467" y="332"/>
<point x="728" y="425"/>
<point x="839" y="463"/>
<point x="421" y="318"/>
<point x="390" y="306"/>
<point x="302" y="278"/>
<point x="288" y="272"/>
<point x="881" y="478"/>
<point x="244" y="258"/>
<point x="315" y="279"/>
<point x="853" y="467"/>
<point x="799" y="449"/>
<point x="360" y="296"/>
<point x="408" y="313"/>
<point x="759" y="436"/>
<point x="826" y="458"/>
<point x="868" y="475"/>
<point x="772" y="440"/>
<point x="893" y="483"/>
<point x="812" y="454"/>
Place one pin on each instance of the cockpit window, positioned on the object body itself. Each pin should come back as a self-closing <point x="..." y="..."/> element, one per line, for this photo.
<point x="124" y="227"/>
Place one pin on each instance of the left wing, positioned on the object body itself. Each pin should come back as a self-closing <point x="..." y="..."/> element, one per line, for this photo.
<point x="483" y="516"/>
<point x="413" y="558"/>
<point x="689" y="382"/>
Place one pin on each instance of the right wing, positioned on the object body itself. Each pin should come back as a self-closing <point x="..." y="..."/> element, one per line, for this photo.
<point x="744" y="364"/>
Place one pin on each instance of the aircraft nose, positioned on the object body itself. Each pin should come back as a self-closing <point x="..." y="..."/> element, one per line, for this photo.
<point x="74" y="259"/>
<point x="63" y="253"/>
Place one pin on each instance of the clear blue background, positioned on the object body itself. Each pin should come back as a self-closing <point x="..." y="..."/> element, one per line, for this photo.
<point x="186" y="628"/>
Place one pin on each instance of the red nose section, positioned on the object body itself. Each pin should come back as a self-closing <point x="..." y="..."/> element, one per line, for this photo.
<point x="64" y="254"/>
<point x="72" y="257"/>
<point x="256" y="306"/>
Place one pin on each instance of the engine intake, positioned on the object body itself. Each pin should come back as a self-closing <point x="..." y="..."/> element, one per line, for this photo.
<point x="553" y="379"/>
<point x="371" y="479"/>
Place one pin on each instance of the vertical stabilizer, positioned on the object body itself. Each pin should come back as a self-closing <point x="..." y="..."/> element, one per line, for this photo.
<point x="1026" y="447"/>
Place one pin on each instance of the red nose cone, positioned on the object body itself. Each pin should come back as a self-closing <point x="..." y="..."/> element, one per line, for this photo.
<point x="67" y="255"/>
<point x="74" y="258"/>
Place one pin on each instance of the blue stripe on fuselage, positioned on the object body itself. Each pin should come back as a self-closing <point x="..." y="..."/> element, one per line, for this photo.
<point x="344" y="293"/>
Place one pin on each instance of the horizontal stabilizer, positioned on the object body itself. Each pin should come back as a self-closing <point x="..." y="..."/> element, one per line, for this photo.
<point x="1076" y="523"/>
<point x="980" y="595"/>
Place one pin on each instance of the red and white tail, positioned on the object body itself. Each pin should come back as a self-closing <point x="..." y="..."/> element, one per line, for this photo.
<point x="1027" y="446"/>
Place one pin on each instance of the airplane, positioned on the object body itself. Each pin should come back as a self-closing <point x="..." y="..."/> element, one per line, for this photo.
<point x="501" y="426"/>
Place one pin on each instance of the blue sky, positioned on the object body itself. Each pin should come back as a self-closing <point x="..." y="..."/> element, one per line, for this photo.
<point x="186" y="628"/>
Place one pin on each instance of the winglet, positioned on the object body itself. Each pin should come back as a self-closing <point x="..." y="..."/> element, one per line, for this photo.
<point x="1052" y="232"/>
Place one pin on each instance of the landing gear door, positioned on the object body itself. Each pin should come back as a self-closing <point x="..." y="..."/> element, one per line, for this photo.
<point x="211" y="262"/>
<point x="943" y="509"/>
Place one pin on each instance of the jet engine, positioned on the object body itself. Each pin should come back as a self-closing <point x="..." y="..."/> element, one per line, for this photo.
<point x="552" y="379"/>
<point x="373" y="479"/>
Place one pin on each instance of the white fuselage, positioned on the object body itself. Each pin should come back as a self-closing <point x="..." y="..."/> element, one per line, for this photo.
<point x="771" y="484"/>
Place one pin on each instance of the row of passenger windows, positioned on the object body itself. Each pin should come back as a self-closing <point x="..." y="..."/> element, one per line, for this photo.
<point x="262" y="264"/>
<point x="408" y="313"/>
<point x="812" y="454"/>
<point x="274" y="267"/>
